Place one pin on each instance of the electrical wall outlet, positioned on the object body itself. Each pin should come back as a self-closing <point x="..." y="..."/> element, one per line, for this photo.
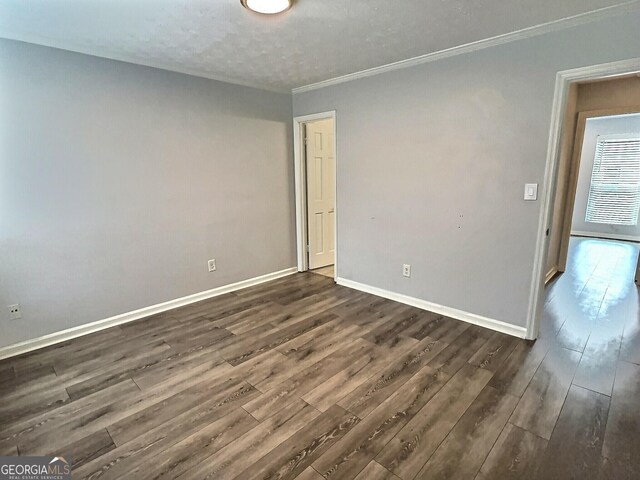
<point x="14" y="312"/>
<point x="406" y="270"/>
<point x="212" y="265"/>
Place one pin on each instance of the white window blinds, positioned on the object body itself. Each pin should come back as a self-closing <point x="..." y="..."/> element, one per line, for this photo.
<point x="614" y="195"/>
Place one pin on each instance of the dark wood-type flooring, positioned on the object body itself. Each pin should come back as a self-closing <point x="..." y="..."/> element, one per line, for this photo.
<point x="302" y="379"/>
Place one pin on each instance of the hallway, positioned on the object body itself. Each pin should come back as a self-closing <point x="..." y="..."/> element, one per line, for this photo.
<point x="593" y="309"/>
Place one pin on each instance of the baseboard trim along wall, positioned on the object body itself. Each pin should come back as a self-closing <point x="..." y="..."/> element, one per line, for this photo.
<point x="490" y="323"/>
<point x="550" y="274"/>
<point x="606" y="236"/>
<point x="81" y="330"/>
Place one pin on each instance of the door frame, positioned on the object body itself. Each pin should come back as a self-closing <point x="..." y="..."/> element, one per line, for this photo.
<point x="563" y="81"/>
<point x="300" y="170"/>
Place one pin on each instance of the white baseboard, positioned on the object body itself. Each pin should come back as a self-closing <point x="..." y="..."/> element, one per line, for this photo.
<point x="606" y="236"/>
<point x="490" y="323"/>
<point x="551" y="274"/>
<point x="79" y="331"/>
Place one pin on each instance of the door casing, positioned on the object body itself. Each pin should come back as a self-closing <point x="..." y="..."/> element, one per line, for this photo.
<point x="564" y="79"/>
<point x="301" y="187"/>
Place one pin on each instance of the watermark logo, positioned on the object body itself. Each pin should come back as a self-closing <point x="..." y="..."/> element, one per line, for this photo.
<point x="35" y="468"/>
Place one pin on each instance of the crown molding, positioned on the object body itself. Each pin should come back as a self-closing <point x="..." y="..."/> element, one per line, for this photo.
<point x="522" y="34"/>
<point x="541" y="29"/>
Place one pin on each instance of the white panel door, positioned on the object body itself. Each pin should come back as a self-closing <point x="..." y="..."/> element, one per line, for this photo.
<point x="320" y="193"/>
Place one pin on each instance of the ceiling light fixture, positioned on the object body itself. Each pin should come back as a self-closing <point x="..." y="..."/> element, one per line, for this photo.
<point x="268" y="7"/>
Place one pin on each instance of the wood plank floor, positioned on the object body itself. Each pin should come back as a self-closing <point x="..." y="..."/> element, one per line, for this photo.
<point x="326" y="271"/>
<point x="302" y="379"/>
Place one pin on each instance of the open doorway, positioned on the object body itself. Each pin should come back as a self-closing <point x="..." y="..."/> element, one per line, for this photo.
<point x="315" y="165"/>
<point x="604" y="205"/>
<point x="554" y="225"/>
<point x="590" y="301"/>
<point x="593" y="294"/>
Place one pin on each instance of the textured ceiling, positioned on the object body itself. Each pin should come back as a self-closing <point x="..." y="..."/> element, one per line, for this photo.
<point x="314" y="41"/>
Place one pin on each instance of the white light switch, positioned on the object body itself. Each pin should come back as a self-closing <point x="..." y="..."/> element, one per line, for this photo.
<point x="531" y="191"/>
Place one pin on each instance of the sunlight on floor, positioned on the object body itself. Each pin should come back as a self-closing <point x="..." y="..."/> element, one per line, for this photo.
<point x="596" y="297"/>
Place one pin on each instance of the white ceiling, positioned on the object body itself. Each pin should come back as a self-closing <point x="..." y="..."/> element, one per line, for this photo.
<point x="314" y="41"/>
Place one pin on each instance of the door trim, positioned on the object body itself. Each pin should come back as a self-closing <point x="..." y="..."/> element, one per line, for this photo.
<point x="301" y="188"/>
<point x="563" y="80"/>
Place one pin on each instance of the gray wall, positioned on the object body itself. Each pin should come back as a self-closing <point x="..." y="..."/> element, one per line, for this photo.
<point x="593" y="128"/>
<point x="432" y="162"/>
<point x="119" y="182"/>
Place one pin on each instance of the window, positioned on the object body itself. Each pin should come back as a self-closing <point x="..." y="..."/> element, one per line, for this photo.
<point x="614" y="194"/>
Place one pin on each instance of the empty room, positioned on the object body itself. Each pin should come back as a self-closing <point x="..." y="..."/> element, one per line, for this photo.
<point x="300" y="239"/>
